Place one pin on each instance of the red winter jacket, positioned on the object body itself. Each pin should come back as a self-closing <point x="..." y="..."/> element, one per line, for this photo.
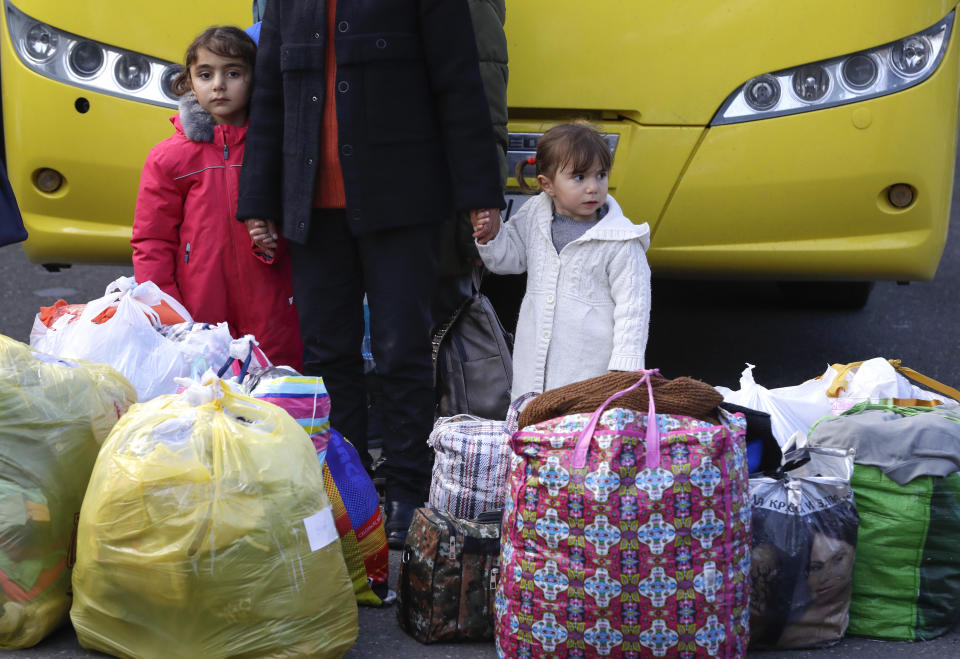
<point x="186" y="240"/>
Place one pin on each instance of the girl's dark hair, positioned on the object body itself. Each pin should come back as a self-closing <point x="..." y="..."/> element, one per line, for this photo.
<point x="222" y="40"/>
<point x="577" y="145"/>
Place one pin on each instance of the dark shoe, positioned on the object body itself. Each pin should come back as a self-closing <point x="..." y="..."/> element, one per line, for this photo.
<point x="399" y="516"/>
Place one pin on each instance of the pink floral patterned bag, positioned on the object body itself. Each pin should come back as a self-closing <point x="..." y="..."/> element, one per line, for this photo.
<point x="626" y="537"/>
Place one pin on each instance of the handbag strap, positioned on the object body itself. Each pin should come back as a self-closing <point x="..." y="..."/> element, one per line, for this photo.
<point x="441" y="334"/>
<point x="653" y="432"/>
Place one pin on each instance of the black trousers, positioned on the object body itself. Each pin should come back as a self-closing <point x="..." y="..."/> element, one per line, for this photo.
<point x="397" y="270"/>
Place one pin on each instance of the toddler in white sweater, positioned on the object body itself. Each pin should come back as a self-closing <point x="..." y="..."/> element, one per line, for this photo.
<point x="587" y="306"/>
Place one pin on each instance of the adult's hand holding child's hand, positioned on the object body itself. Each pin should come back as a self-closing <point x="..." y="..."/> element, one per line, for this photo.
<point x="486" y="224"/>
<point x="263" y="233"/>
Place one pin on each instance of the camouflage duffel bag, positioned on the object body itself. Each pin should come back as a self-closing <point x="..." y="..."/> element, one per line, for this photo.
<point x="448" y="576"/>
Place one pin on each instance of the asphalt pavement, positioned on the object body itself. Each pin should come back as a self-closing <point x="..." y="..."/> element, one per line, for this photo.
<point x="707" y="330"/>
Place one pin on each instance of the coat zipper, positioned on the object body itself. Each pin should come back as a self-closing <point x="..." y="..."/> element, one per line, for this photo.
<point x="186" y="254"/>
<point x="226" y="151"/>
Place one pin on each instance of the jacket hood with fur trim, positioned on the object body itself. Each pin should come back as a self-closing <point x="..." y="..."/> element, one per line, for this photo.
<point x="197" y="124"/>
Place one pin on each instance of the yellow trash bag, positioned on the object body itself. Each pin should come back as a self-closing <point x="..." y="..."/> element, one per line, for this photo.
<point x="54" y="414"/>
<point x="206" y="532"/>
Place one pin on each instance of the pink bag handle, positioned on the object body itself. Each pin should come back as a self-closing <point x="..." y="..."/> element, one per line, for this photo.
<point x="653" y="433"/>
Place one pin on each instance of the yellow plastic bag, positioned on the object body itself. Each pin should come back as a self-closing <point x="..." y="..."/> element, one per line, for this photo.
<point x="54" y="414"/>
<point x="206" y="532"/>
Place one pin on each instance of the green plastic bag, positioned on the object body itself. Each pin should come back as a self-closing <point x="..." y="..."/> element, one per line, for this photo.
<point x="906" y="579"/>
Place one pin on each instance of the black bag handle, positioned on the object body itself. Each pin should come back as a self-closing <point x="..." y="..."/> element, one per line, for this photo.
<point x="494" y="516"/>
<point x="243" y="367"/>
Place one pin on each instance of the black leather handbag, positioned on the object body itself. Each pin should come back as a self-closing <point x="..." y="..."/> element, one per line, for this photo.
<point x="473" y="367"/>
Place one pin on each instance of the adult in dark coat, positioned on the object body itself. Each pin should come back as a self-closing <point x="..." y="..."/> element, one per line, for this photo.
<point x="414" y="145"/>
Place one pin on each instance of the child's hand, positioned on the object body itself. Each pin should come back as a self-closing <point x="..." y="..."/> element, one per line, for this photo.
<point x="263" y="233"/>
<point x="486" y="224"/>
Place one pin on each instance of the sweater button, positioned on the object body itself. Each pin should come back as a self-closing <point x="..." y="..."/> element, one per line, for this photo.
<point x="550" y="298"/>
<point x="314" y="99"/>
<point x="316" y="35"/>
<point x="546" y="334"/>
<point x="310" y="162"/>
<point x="343" y="26"/>
<point x="347" y="149"/>
<point x="301" y="226"/>
<point x="381" y="43"/>
<point x="343" y="86"/>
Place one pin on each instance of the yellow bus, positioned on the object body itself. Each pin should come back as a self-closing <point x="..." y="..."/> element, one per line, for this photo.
<point x="789" y="140"/>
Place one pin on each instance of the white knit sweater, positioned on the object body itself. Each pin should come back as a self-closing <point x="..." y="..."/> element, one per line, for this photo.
<point x="587" y="309"/>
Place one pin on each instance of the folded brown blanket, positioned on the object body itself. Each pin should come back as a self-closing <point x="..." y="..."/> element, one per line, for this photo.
<point x="682" y="396"/>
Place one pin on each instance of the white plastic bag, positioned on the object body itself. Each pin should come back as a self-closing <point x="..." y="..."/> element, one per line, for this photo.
<point x="128" y="341"/>
<point x="791" y="409"/>
<point x="204" y="345"/>
<point x="879" y="380"/>
<point x="795" y="409"/>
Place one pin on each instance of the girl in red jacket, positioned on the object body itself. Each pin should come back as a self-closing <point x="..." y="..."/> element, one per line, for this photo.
<point x="185" y="237"/>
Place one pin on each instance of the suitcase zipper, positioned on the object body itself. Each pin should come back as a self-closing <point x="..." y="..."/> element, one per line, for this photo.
<point x="494" y="576"/>
<point x="452" y="548"/>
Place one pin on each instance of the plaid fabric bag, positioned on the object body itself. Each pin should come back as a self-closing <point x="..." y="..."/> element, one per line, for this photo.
<point x="626" y="534"/>
<point x="472" y="459"/>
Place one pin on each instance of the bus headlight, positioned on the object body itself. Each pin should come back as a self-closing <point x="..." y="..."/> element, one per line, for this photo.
<point x="910" y="56"/>
<point x="860" y="71"/>
<point x="86" y="58"/>
<point x="762" y="93"/>
<point x="40" y="42"/>
<point x="166" y="80"/>
<point x="811" y="83"/>
<point x="87" y="64"/>
<point x="131" y="71"/>
<point x="840" y="80"/>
